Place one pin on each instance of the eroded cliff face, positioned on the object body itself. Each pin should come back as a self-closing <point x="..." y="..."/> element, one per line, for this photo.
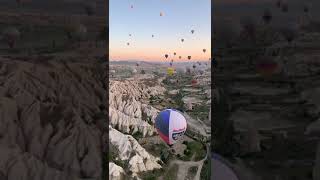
<point x="129" y="149"/>
<point x="130" y="113"/>
<point x="53" y="118"/>
<point x="126" y="106"/>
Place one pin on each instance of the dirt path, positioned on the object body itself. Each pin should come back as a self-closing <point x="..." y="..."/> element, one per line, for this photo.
<point x="183" y="167"/>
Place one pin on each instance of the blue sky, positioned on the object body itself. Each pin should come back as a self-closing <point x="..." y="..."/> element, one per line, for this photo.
<point x="144" y="20"/>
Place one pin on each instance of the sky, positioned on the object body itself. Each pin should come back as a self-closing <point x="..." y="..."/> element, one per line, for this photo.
<point x="144" y="20"/>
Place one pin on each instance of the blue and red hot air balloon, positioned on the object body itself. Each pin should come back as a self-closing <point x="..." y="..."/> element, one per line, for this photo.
<point x="171" y="125"/>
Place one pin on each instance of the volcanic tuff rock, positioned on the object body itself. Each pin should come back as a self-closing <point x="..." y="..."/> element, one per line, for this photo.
<point x="126" y="109"/>
<point x="51" y="112"/>
<point x="129" y="149"/>
<point x="115" y="172"/>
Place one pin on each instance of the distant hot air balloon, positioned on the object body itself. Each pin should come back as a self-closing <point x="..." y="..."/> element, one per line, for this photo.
<point x="131" y="6"/>
<point x="267" y="16"/>
<point x="284" y="7"/>
<point x="182" y="40"/>
<point x="279" y="3"/>
<point x="170" y="71"/>
<point x="170" y="64"/>
<point x="194" y="82"/>
<point x="152" y="35"/>
<point x="129" y="34"/>
<point x="305" y="8"/>
<point x="194" y="66"/>
<point x="161" y="14"/>
<point x="166" y="56"/>
<point x="192" y="31"/>
<point x="174" y="53"/>
<point x="204" y="50"/>
<point x="189" y="57"/>
<point x="267" y="67"/>
<point x="188" y="70"/>
<point x="90" y="8"/>
<point x="179" y="57"/>
<point x="128" y="44"/>
<point x="171" y="125"/>
<point x="11" y="35"/>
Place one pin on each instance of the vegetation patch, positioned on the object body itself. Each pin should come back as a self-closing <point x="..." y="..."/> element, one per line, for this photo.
<point x="151" y="175"/>
<point x="171" y="174"/>
<point x="194" y="149"/>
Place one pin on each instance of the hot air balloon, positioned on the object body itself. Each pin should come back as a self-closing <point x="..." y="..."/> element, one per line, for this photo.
<point x="11" y="35"/>
<point x="161" y="14"/>
<point x="179" y="57"/>
<point x="189" y="57"/>
<point x="182" y="40"/>
<point x="128" y="44"/>
<point x="171" y="125"/>
<point x="76" y="31"/>
<point x="267" y="16"/>
<point x="23" y="1"/>
<point x="131" y="6"/>
<point x="284" y="7"/>
<point x="166" y="56"/>
<point x="267" y="67"/>
<point x="90" y="8"/>
<point x="204" y="50"/>
<point x="174" y="53"/>
<point x="170" y="64"/>
<point x="194" y="66"/>
<point x="194" y="82"/>
<point x="305" y="8"/>
<point x="279" y="3"/>
<point x="129" y="34"/>
<point x="170" y="71"/>
<point x="192" y="31"/>
<point x="152" y="35"/>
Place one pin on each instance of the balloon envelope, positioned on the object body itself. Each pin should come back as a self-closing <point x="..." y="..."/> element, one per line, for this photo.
<point x="170" y="71"/>
<point x="267" y="68"/>
<point x="171" y="125"/>
<point x="194" y="82"/>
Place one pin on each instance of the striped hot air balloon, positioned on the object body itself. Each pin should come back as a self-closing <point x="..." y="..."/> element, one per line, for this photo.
<point x="171" y="125"/>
